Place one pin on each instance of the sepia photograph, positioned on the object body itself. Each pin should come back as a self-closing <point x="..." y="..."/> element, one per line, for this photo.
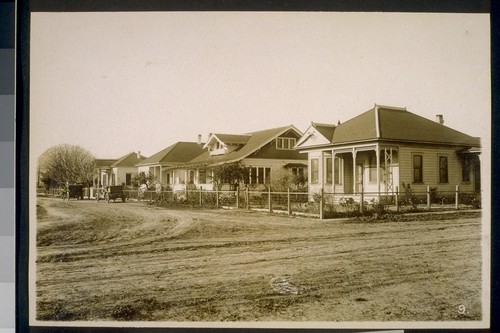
<point x="259" y="169"/>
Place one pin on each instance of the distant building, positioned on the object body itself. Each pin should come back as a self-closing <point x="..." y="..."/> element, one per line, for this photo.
<point x="117" y="171"/>
<point x="163" y="164"/>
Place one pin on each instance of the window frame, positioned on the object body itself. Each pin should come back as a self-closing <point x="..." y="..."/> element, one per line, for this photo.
<point x="314" y="173"/>
<point x="443" y="170"/>
<point x="420" y="169"/>
<point x="328" y="170"/>
<point x="290" y="143"/>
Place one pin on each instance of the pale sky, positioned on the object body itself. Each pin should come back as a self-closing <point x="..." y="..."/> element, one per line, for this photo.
<point x="121" y="82"/>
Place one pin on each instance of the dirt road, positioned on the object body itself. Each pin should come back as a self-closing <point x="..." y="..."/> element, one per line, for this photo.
<point x="131" y="261"/>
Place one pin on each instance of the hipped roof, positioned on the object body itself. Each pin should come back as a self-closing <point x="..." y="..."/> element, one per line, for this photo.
<point x="394" y="124"/>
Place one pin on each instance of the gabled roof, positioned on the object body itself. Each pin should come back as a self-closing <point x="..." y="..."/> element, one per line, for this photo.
<point x="325" y="129"/>
<point x="128" y="160"/>
<point x="255" y="141"/>
<point x="394" y="124"/>
<point x="179" y="152"/>
<point x="104" y="162"/>
<point x="233" y="138"/>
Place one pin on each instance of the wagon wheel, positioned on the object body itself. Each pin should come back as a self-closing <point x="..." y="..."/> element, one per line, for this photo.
<point x="106" y="196"/>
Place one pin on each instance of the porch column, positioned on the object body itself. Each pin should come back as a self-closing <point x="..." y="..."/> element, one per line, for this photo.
<point x="354" y="152"/>
<point x="377" y="154"/>
<point x="321" y="169"/>
<point x="333" y="171"/>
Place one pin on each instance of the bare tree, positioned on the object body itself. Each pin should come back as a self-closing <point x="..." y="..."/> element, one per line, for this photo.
<point x="66" y="163"/>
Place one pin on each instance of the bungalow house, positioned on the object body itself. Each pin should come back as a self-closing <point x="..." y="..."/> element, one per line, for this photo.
<point x="265" y="153"/>
<point x="164" y="164"/>
<point x="124" y="169"/>
<point x="386" y="147"/>
<point x="116" y="171"/>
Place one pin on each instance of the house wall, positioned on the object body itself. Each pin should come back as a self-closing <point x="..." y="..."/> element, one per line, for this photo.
<point x="120" y="174"/>
<point x="276" y="165"/>
<point x="430" y="156"/>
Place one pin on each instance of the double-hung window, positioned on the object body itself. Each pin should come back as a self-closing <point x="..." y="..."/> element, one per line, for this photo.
<point x="418" y="171"/>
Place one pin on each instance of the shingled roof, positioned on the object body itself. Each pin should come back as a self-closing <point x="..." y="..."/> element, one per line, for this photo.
<point x="128" y="160"/>
<point x="255" y="141"/>
<point x="179" y="152"/>
<point x="394" y="124"/>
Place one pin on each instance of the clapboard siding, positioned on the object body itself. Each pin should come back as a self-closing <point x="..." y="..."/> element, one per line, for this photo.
<point x="430" y="163"/>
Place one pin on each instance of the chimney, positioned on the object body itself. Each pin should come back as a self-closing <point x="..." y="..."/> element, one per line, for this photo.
<point x="138" y="154"/>
<point x="440" y="119"/>
<point x="199" y="139"/>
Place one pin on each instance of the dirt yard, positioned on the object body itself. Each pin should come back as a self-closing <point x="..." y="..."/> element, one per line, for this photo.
<point x="131" y="261"/>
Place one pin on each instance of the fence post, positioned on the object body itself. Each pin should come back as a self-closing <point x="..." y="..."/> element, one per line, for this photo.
<point x="238" y="197"/>
<point x="289" y="203"/>
<point x="247" y="197"/>
<point x="397" y="198"/>
<point x="456" y="196"/>
<point x="321" y="203"/>
<point x="216" y="197"/>
<point x="269" y="199"/>
<point x="201" y="190"/>
<point x="428" y="197"/>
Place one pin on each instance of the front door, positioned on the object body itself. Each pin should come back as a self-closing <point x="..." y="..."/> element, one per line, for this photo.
<point x="359" y="178"/>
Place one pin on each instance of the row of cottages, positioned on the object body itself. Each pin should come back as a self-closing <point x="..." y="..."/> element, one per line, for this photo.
<point x="386" y="147"/>
<point x="265" y="153"/>
<point x="117" y="171"/>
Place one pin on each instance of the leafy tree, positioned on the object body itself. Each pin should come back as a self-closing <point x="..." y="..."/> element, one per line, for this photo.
<point x="284" y="179"/>
<point x="66" y="163"/>
<point x="229" y="173"/>
<point x="144" y="178"/>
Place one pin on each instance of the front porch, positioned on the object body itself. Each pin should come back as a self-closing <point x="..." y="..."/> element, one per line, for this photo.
<point x="349" y="172"/>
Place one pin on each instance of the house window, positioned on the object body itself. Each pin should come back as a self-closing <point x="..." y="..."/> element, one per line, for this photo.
<point x="338" y="170"/>
<point x="443" y="169"/>
<point x="285" y="143"/>
<point x="418" y="173"/>
<point x="329" y="167"/>
<point x="128" y="179"/>
<point x="314" y="171"/>
<point x="372" y="175"/>
<point x="260" y="175"/>
<point x="466" y="168"/>
<point x="202" y="176"/>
